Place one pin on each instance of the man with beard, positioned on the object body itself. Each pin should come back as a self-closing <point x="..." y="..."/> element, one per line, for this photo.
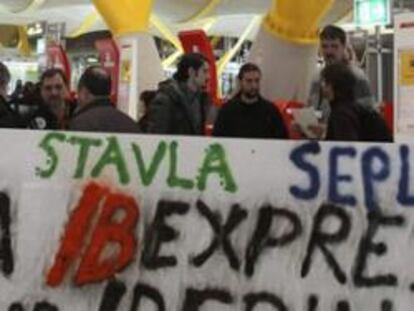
<point x="53" y="111"/>
<point x="248" y="114"/>
<point x="180" y="105"/>
<point x="333" y="47"/>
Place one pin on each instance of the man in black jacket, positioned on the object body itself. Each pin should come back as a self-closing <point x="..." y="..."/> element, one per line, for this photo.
<point x="248" y="114"/>
<point x="52" y="111"/>
<point x="8" y="118"/>
<point x="95" y="112"/>
<point x="180" y="105"/>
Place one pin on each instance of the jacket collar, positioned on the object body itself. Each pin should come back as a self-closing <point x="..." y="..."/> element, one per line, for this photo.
<point x="238" y="98"/>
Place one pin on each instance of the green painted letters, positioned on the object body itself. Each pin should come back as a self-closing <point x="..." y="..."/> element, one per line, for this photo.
<point x="147" y="174"/>
<point x="113" y="156"/>
<point x="85" y="144"/>
<point x="52" y="157"/>
<point x="173" y="180"/>
<point x="215" y="163"/>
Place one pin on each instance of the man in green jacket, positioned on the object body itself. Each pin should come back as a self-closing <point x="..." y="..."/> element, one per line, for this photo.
<point x="179" y="108"/>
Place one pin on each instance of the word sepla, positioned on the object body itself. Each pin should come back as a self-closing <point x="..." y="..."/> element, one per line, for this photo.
<point x="112" y="155"/>
<point x="377" y="169"/>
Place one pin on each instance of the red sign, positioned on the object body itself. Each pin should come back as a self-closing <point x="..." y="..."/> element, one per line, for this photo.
<point x="196" y="41"/>
<point x="109" y="58"/>
<point x="57" y="58"/>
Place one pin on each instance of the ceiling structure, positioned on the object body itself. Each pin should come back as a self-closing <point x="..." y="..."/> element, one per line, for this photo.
<point x="231" y="17"/>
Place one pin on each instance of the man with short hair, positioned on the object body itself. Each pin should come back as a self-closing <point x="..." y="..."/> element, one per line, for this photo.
<point x="8" y="118"/>
<point x="248" y="114"/>
<point x="53" y="110"/>
<point x="333" y="47"/>
<point x="180" y="105"/>
<point x="95" y="112"/>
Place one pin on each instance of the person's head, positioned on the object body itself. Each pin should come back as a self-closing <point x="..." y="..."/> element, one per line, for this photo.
<point x="94" y="83"/>
<point x="193" y="69"/>
<point x="53" y="88"/>
<point x="333" y="44"/>
<point x="338" y="83"/>
<point x="5" y="78"/>
<point x="249" y="81"/>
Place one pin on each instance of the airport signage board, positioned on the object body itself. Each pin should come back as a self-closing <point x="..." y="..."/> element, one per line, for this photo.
<point x="372" y="12"/>
<point x="126" y="222"/>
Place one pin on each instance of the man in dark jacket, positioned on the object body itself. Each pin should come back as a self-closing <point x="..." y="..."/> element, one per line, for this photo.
<point x="8" y="118"/>
<point x="249" y="115"/>
<point x="52" y="111"/>
<point x="338" y="83"/>
<point x="95" y="112"/>
<point x="179" y="108"/>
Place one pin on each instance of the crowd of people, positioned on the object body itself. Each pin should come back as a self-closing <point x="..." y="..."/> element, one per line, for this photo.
<point x="340" y="96"/>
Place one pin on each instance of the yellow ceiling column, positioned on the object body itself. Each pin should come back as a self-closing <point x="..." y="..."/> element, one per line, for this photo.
<point x="24" y="45"/>
<point x="125" y="16"/>
<point x="296" y="21"/>
<point x="140" y="66"/>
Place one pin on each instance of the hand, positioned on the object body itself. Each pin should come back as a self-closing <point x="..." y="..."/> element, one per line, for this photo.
<point x="317" y="130"/>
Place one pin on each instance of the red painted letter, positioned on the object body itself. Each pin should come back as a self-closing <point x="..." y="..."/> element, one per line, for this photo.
<point x="94" y="266"/>
<point x="109" y="230"/>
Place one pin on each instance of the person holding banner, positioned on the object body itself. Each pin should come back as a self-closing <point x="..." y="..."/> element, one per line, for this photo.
<point x="95" y="112"/>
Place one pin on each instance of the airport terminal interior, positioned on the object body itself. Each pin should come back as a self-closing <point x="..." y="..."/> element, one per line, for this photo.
<point x="139" y="43"/>
<point x="194" y="155"/>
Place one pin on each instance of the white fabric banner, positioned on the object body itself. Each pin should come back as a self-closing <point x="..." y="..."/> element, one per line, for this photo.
<point x="113" y="223"/>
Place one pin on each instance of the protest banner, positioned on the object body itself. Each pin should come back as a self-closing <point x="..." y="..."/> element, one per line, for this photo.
<point x="124" y="222"/>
